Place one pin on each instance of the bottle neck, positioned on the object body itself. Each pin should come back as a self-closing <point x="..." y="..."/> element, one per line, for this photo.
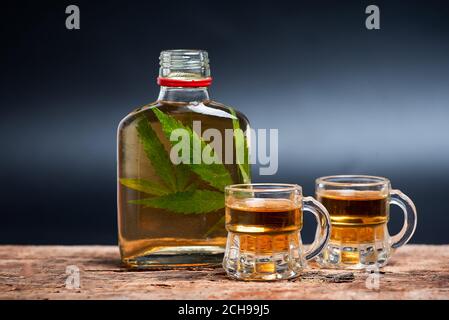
<point x="181" y="94"/>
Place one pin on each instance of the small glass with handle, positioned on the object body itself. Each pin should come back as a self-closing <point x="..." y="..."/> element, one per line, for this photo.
<point x="264" y="223"/>
<point x="359" y="207"/>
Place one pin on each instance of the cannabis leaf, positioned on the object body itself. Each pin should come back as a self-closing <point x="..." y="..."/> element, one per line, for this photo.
<point x="183" y="175"/>
<point x="177" y="193"/>
<point x="214" y="174"/>
<point x="156" y="153"/>
<point x="241" y="144"/>
<point x="146" y="186"/>
<point x="187" y="202"/>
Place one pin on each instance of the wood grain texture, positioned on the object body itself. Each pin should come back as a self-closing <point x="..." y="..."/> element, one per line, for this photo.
<point x="39" y="272"/>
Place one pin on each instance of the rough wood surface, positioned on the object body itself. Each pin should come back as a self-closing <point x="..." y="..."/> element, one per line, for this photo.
<point x="39" y="272"/>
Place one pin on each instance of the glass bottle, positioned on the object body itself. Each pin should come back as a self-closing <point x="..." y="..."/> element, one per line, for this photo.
<point x="172" y="170"/>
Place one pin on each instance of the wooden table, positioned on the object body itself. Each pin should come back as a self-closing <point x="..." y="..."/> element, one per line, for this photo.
<point x="39" y="272"/>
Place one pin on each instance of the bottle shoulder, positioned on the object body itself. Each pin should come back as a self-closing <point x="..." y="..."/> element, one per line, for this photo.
<point x="227" y="109"/>
<point x="136" y="113"/>
<point x="190" y="111"/>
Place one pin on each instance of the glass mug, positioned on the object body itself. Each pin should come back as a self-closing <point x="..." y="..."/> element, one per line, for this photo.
<point x="359" y="210"/>
<point x="264" y="223"/>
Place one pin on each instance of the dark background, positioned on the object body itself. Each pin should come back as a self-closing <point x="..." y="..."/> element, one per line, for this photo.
<point x="345" y="99"/>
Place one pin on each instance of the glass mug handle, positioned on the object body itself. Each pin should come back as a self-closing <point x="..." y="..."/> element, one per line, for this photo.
<point x="410" y="217"/>
<point x="323" y="226"/>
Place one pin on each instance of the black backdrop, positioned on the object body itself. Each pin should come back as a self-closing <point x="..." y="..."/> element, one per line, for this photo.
<point x="345" y="99"/>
